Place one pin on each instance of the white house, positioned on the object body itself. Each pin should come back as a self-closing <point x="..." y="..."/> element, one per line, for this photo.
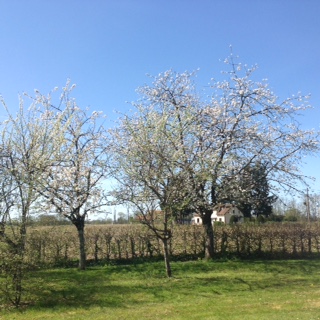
<point x="221" y="213"/>
<point x="196" y="219"/>
<point x="224" y="212"/>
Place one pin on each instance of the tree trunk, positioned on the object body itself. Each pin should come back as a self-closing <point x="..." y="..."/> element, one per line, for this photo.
<point x="82" y="247"/>
<point x="166" y="257"/>
<point x="209" y="244"/>
<point x="17" y="278"/>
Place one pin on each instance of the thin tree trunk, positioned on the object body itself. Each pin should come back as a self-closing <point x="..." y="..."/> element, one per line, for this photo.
<point x="166" y="257"/>
<point x="17" y="278"/>
<point x="82" y="248"/>
<point x="209" y="245"/>
<point x="18" y="274"/>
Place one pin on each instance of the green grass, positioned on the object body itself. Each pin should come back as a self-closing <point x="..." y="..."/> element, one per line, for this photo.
<point x="199" y="290"/>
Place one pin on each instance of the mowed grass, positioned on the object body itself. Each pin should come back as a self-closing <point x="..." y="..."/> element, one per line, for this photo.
<point x="199" y="290"/>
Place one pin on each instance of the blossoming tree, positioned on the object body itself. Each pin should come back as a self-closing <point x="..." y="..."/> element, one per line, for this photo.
<point x="29" y="146"/>
<point x="74" y="185"/>
<point x="147" y="161"/>
<point x="208" y="141"/>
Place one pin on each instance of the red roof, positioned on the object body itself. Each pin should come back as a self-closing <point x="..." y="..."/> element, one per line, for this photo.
<point x="223" y="211"/>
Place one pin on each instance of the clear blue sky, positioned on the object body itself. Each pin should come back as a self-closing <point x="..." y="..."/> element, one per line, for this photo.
<point x="107" y="47"/>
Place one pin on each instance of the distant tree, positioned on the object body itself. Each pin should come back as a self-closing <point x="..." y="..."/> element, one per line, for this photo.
<point x="184" y="216"/>
<point x="279" y="207"/>
<point x="313" y="200"/>
<point x="261" y="199"/>
<point x="122" y="218"/>
<point x="49" y="220"/>
<point x="292" y="214"/>
<point x="250" y="190"/>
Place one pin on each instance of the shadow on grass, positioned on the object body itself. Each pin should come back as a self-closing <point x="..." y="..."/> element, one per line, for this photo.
<point x="111" y="286"/>
<point x="125" y="285"/>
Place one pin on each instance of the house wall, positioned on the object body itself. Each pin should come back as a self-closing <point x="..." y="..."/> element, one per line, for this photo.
<point x="232" y="212"/>
<point x="196" y="220"/>
<point x="215" y="217"/>
<point x="226" y="218"/>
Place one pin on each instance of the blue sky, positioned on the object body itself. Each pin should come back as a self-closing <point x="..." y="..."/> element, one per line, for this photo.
<point x="108" y="47"/>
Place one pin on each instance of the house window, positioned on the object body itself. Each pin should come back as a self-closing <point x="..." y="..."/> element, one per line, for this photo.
<point x="220" y="219"/>
<point x="197" y="220"/>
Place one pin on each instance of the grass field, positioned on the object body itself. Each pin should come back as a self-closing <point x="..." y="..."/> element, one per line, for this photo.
<point x="199" y="290"/>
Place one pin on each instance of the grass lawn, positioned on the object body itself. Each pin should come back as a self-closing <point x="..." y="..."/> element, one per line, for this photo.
<point x="199" y="290"/>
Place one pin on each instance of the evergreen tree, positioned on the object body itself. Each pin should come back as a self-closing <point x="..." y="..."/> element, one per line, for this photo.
<point x="249" y="190"/>
<point x="260" y="193"/>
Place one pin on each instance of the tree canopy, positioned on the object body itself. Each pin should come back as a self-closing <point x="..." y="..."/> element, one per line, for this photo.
<point x="178" y="147"/>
